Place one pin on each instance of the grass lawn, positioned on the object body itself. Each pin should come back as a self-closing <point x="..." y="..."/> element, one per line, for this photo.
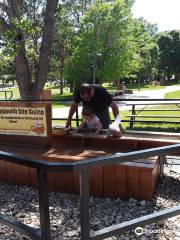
<point x="144" y="126"/>
<point x="63" y="100"/>
<point x="162" y="127"/>
<point x="145" y="87"/>
<point x="112" y="88"/>
<point x="67" y="96"/>
<point x="175" y="94"/>
<point x="14" y="90"/>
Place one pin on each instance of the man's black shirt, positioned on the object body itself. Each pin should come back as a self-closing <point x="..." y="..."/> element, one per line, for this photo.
<point x="99" y="102"/>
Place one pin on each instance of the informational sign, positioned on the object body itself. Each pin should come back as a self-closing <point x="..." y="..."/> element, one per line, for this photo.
<point x="24" y="121"/>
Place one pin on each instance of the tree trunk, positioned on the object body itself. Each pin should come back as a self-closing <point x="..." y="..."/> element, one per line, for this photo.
<point x="168" y="75"/>
<point x="23" y="74"/>
<point x="61" y="86"/>
<point x="15" y="10"/>
<point x="62" y="57"/>
<point x="47" y="39"/>
<point x="62" y="76"/>
<point x="71" y="87"/>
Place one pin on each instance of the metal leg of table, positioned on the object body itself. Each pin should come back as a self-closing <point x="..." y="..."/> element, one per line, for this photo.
<point x="43" y="204"/>
<point x="84" y="204"/>
<point x="132" y="119"/>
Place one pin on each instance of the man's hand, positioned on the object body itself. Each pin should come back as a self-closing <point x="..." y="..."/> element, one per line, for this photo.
<point x="114" y="130"/>
<point x="68" y="123"/>
<point x="72" y="110"/>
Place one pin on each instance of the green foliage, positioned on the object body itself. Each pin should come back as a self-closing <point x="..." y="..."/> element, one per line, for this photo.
<point x="102" y="36"/>
<point x="108" y="39"/>
<point x="175" y="94"/>
<point x="169" y="45"/>
<point x="105" y="34"/>
<point x="28" y="24"/>
<point x="97" y="34"/>
<point x="63" y="44"/>
<point x="147" y="53"/>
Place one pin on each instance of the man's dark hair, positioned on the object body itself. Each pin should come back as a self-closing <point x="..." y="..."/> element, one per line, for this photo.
<point x="85" y="88"/>
<point x="87" y="111"/>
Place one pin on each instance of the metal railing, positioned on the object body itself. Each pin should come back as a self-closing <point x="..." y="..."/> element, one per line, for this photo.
<point x="7" y="93"/>
<point x="134" y="112"/>
<point x="132" y="102"/>
<point x="142" y="106"/>
<point x="43" y="167"/>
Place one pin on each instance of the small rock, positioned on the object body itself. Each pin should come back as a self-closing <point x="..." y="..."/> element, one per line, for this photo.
<point x="143" y="203"/>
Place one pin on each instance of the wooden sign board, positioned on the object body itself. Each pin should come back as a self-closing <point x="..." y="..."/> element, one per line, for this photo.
<point x="22" y="122"/>
<point x="46" y="94"/>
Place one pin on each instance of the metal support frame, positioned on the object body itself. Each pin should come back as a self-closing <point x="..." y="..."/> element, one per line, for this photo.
<point x="84" y="167"/>
<point x="84" y="204"/>
<point x="163" y="161"/>
<point x="132" y="224"/>
<point x="43" y="204"/>
<point x="20" y="227"/>
<point x="132" y="119"/>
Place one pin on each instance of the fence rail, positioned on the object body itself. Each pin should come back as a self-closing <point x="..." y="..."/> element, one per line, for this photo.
<point x="134" y="113"/>
<point x="129" y="101"/>
<point x="8" y="94"/>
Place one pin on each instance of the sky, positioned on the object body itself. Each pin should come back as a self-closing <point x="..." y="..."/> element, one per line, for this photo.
<point x="165" y="13"/>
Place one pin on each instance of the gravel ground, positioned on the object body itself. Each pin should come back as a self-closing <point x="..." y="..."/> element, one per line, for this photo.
<point x="22" y="203"/>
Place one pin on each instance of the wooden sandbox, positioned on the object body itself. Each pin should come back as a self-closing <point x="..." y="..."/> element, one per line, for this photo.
<point x="135" y="179"/>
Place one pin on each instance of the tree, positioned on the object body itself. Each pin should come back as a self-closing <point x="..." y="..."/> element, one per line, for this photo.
<point x="104" y="39"/>
<point x="145" y="34"/>
<point x="77" y="9"/>
<point x="67" y="26"/>
<point x="17" y="30"/>
<point x="63" y="45"/>
<point x="169" y="47"/>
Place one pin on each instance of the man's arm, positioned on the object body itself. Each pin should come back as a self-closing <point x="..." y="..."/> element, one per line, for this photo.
<point x="72" y="110"/>
<point x="115" y="109"/>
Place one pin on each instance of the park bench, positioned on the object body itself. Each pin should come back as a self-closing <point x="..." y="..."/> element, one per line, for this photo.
<point x="117" y="93"/>
<point x="137" y="117"/>
<point x="6" y="93"/>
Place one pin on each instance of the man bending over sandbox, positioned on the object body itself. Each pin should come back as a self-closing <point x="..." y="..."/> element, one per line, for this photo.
<point x="97" y="98"/>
